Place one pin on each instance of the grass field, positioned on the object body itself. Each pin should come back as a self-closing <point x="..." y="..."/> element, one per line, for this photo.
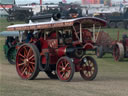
<point x="112" y="78"/>
<point x="4" y="23"/>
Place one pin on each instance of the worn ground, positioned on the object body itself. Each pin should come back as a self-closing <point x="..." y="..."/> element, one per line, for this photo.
<point x="112" y="80"/>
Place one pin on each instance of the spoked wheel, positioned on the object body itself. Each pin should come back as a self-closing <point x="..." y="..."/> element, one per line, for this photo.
<point x="118" y="52"/>
<point x="65" y="69"/>
<point x="27" y="61"/>
<point x="89" y="68"/>
<point x="120" y="25"/>
<point x="51" y="74"/>
<point x="112" y="25"/>
<point x="11" y="55"/>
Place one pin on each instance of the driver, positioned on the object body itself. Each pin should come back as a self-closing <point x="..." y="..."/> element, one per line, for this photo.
<point x="30" y="36"/>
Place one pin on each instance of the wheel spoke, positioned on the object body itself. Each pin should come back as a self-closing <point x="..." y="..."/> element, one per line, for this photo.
<point x="60" y="67"/>
<point x="61" y="70"/>
<point x="92" y="72"/>
<point x="92" y="69"/>
<point x="21" y="64"/>
<point x="89" y="62"/>
<point x="66" y="65"/>
<point x="24" y="70"/>
<point x="63" y="74"/>
<point x="31" y="70"/>
<point x="25" y="51"/>
<point x="33" y="63"/>
<point x="31" y="57"/>
<point x="29" y="51"/>
<point x="65" y="62"/>
<point x="33" y="67"/>
<point x="68" y="68"/>
<point x="87" y="74"/>
<point x="62" y="64"/>
<point x="21" y="55"/>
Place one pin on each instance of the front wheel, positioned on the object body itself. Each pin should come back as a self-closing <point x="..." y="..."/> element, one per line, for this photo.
<point x="27" y="61"/>
<point x="118" y="52"/>
<point x="65" y="69"/>
<point x="88" y="68"/>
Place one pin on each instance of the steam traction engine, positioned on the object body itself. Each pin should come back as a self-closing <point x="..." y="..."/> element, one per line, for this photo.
<point x="120" y="50"/>
<point x="57" y="49"/>
<point x="10" y="44"/>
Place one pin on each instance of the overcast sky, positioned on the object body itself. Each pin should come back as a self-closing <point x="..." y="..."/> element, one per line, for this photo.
<point x="53" y="1"/>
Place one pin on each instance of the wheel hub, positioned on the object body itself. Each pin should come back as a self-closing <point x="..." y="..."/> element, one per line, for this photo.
<point x="88" y="68"/>
<point x="63" y="69"/>
<point x="26" y="61"/>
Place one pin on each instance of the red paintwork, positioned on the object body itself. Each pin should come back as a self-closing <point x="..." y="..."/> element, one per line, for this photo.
<point x="88" y="46"/>
<point x="24" y="58"/>
<point x="53" y="43"/>
<point x="64" y="69"/>
<point x="87" y="39"/>
<point x="87" y="35"/>
<point x="61" y="51"/>
<point x="44" y="43"/>
<point x="76" y="43"/>
<point x="53" y="59"/>
<point x="77" y="64"/>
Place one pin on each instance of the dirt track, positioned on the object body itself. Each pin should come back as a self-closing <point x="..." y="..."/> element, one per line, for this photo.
<point x="104" y="85"/>
<point x="109" y="82"/>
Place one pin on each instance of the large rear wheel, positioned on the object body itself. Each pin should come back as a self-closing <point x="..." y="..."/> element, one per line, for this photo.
<point x="27" y="61"/>
<point x="65" y="69"/>
<point x="89" y="68"/>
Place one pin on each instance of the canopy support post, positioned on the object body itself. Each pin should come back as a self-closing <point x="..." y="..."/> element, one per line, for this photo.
<point x="94" y="37"/>
<point x="20" y="37"/>
<point x="80" y="32"/>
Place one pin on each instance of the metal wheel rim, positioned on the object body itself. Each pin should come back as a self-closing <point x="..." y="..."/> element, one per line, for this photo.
<point x="25" y="62"/>
<point x="116" y="53"/>
<point x="87" y="69"/>
<point x="64" y="69"/>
